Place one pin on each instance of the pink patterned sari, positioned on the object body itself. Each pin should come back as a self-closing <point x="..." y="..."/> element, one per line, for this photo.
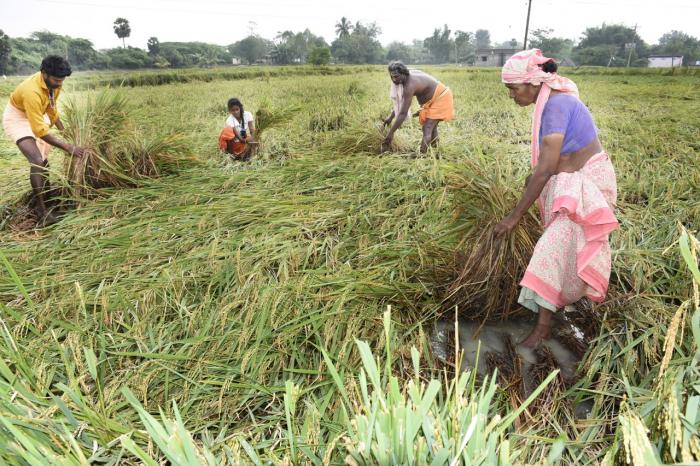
<point x="572" y="258"/>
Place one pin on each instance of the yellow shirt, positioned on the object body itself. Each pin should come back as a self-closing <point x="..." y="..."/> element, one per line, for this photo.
<point x="32" y="97"/>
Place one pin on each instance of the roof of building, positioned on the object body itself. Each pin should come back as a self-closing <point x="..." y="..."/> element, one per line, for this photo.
<point x="495" y="51"/>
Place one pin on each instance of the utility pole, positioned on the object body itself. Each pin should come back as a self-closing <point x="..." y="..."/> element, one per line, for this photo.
<point x="527" y="23"/>
<point x="632" y="47"/>
<point x="252" y="26"/>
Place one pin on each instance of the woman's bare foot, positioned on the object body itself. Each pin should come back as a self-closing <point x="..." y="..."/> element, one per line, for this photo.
<point x="539" y="333"/>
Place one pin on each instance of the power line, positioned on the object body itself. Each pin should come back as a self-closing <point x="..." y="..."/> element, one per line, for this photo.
<point x="302" y="15"/>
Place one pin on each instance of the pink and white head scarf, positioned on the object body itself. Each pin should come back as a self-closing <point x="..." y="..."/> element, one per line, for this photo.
<point x="524" y="68"/>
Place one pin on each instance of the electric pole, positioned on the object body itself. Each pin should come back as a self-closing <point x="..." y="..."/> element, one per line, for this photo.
<point x="252" y="26"/>
<point x="632" y="46"/>
<point x="527" y="23"/>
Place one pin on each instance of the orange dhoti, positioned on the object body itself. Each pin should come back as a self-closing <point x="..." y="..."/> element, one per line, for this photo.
<point x="440" y="107"/>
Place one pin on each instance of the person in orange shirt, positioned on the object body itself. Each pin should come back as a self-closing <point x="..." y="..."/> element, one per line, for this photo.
<point x="435" y="99"/>
<point x="28" y="117"/>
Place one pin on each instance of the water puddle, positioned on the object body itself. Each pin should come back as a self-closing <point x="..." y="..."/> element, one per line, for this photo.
<point x="495" y="345"/>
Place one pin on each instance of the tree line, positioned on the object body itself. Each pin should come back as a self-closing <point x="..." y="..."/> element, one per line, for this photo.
<point x="354" y="43"/>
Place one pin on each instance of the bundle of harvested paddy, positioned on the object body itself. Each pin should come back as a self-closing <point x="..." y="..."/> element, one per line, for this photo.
<point x="365" y="138"/>
<point x="117" y="154"/>
<point x="267" y="118"/>
<point x="487" y="270"/>
<point x="545" y="364"/>
<point x="508" y="365"/>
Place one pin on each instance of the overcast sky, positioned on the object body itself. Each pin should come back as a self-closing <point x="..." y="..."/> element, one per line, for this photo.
<point x="224" y="22"/>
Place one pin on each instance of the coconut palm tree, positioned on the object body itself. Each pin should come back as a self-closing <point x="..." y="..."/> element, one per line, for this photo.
<point x="343" y="27"/>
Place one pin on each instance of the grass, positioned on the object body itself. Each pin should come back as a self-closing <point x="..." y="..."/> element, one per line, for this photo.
<point x="212" y="315"/>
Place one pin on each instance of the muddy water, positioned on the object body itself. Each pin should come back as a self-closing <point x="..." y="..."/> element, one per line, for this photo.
<point x="475" y="343"/>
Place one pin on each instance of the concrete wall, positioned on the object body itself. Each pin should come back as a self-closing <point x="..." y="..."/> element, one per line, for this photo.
<point x="665" y="62"/>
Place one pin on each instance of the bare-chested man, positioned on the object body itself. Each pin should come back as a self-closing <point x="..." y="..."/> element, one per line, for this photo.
<point x="434" y="98"/>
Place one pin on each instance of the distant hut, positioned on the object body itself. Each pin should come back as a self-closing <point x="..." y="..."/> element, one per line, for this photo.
<point x="665" y="61"/>
<point x="493" y="57"/>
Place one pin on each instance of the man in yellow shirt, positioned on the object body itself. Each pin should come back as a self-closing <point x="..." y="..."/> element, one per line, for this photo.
<point x="27" y="119"/>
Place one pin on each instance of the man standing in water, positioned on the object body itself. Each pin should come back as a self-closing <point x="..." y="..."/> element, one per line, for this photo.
<point x="434" y="98"/>
<point x="27" y="119"/>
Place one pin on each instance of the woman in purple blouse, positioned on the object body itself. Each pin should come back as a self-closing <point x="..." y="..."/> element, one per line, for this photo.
<point x="574" y="183"/>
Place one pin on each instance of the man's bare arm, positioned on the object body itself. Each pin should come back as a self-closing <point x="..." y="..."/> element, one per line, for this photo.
<point x="390" y="118"/>
<point x="69" y="148"/>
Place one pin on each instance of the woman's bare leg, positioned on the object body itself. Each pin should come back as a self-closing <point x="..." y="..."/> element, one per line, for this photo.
<point x="542" y="330"/>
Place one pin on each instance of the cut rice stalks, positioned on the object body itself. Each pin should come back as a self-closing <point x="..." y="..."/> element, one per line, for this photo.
<point x="487" y="270"/>
<point x="116" y="153"/>
<point x="365" y="138"/>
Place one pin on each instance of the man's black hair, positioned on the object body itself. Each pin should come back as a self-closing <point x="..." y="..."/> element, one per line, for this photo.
<point x="56" y="66"/>
<point x="398" y="67"/>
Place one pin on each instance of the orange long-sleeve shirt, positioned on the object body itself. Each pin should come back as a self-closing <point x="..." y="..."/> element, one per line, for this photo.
<point x="33" y="98"/>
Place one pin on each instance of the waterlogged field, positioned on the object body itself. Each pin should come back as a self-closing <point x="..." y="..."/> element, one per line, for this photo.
<point x="238" y="313"/>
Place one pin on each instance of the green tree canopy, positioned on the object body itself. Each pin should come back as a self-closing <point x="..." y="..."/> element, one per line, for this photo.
<point x="5" y="52"/>
<point x="290" y="47"/>
<point x="465" y="47"/>
<point x="440" y="45"/>
<point x="399" y="51"/>
<point x="184" y="54"/>
<point x="360" y="46"/>
<point x="129" y="58"/>
<point x="483" y="38"/>
<point x="679" y="43"/>
<point x="250" y="49"/>
<point x="153" y="45"/>
<point x="555" y="47"/>
<point x="320" y="56"/>
<point x="611" y="45"/>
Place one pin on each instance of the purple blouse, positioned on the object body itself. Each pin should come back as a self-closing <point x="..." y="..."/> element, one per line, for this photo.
<point x="567" y="115"/>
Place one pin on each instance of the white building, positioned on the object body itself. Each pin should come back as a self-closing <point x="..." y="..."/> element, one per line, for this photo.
<point x="665" y="61"/>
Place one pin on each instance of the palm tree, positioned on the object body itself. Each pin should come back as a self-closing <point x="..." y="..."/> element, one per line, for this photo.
<point x="343" y="27"/>
<point x="122" y="29"/>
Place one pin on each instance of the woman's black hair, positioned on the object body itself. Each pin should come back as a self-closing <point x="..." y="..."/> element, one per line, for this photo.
<point x="234" y="102"/>
<point x="398" y="67"/>
<point x="56" y="66"/>
<point x="549" y="67"/>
